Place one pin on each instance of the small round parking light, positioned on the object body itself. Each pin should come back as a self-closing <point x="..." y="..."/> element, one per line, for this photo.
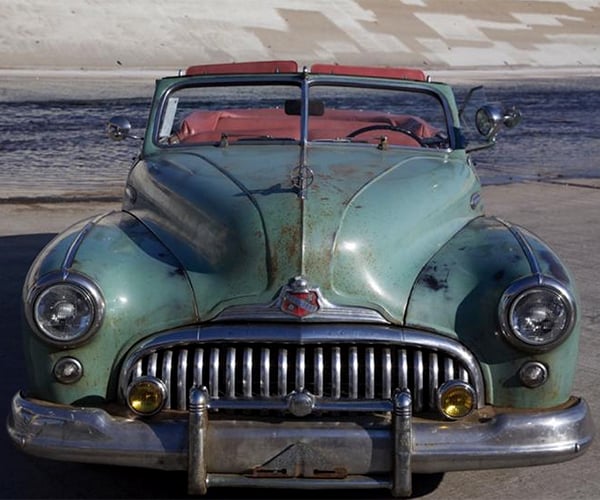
<point x="68" y="370"/>
<point x="146" y="396"/>
<point x="456" y="399"/>
<point x="533" y="374"/>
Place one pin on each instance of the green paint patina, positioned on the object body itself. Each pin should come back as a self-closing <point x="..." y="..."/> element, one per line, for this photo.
<point x="144" y="288"/>
<point x="458" y="292"/>
<point x="369" y="223"/>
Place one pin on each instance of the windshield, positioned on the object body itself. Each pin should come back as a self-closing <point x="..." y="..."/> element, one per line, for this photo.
<point x="229" y="114"/>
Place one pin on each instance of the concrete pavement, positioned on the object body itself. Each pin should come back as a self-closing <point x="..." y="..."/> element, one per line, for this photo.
<point x="111" y="34"/>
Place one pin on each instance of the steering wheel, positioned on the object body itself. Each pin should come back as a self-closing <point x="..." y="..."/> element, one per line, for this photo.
<point x="394" y="128"/>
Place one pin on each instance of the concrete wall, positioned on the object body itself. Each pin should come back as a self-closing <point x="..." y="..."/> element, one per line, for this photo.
<point x="440" y="34"/>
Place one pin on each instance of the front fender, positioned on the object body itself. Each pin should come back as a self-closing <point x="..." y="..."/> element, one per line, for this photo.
<point x="458" y="292"/>
<point x="144" y="289"/>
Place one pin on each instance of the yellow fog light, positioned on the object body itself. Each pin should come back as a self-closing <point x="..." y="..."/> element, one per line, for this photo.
<point x="456" y="399"/>
<point x="146" y="395"/>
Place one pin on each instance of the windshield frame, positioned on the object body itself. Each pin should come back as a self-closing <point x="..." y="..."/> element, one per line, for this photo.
<point x="305" y="81"/>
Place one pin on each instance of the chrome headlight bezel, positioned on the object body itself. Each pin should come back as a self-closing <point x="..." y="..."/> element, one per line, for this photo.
<point x="524" y="289"/>
<point x="80" y="287"/>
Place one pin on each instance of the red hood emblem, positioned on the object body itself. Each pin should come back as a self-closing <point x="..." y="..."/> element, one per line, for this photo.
<point x="298" y="300"/>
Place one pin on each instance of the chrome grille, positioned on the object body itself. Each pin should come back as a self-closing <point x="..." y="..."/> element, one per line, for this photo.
<point x="237" y="373"/>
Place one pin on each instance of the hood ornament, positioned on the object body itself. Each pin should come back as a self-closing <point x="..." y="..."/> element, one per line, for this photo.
<point x="297" y="299"/>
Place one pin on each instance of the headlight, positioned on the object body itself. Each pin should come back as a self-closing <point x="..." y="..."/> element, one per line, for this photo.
<point x="537" y="314"/>
<point x="65" y="312"/>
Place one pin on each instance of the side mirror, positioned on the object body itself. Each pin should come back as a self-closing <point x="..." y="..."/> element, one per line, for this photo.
<point x="490" y="118"/>
<point x="119" y="128"/>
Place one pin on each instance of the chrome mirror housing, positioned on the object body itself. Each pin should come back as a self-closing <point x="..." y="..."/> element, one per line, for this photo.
<point x="490" y="118"/>
<point x="119" y="128"/>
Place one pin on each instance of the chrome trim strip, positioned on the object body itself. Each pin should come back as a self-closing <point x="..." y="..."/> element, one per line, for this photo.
<point x="532" y="260"/>
<point x="74" y="247"/>
<point x="508" y="439"/>
<point x="327" y="312"/>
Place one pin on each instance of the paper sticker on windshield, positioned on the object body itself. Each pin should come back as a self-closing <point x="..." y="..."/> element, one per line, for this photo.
<point x="169" y="117"/>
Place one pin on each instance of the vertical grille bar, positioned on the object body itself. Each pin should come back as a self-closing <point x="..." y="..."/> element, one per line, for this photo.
<point x="265" y="372"/>
<point x="434" y="375"/>
<point x="137" y="369"/>
<point x="319" y="368"/>
<point x="300" y="368"/>
<point x="448" y="369"/>
<point x="402" y="369"/>
<point x="247" y="373"/>
<point x="370" y="373"/>
<point x="353" y="372"/>
<point x="386" y="373"/>
<point x="166" y="375"/>
<point x="153" y="364"/>
<point x="230" y="372"/>
<point x="418" y="380"/>
<point x="336" y="373"/>
<point x="213" y="373"/>
<point x="282" y="372"/>
<point x="182" y="379"/>
<point x="198" y="366"/>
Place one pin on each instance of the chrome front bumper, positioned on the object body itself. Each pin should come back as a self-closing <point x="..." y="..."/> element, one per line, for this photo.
<point x="325" y="454"/>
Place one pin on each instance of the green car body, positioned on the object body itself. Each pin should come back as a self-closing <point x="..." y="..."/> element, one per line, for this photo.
<point x="304" y="244"/>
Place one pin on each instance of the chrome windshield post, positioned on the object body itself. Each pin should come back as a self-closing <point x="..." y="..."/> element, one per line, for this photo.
<point x="402" y="426"/>
<point x="198" y="421"/>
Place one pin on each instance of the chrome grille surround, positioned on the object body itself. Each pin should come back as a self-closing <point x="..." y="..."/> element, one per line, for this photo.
<point x="343" y="367"/>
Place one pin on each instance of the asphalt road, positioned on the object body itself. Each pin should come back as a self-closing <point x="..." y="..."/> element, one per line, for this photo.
<point x="566" y="215"/>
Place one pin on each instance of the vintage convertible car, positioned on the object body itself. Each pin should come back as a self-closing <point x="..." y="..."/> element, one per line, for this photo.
<point x="302" y="290"/>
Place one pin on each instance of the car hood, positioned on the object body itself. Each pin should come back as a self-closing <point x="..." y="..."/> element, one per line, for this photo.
<point x="368" y="222"/>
